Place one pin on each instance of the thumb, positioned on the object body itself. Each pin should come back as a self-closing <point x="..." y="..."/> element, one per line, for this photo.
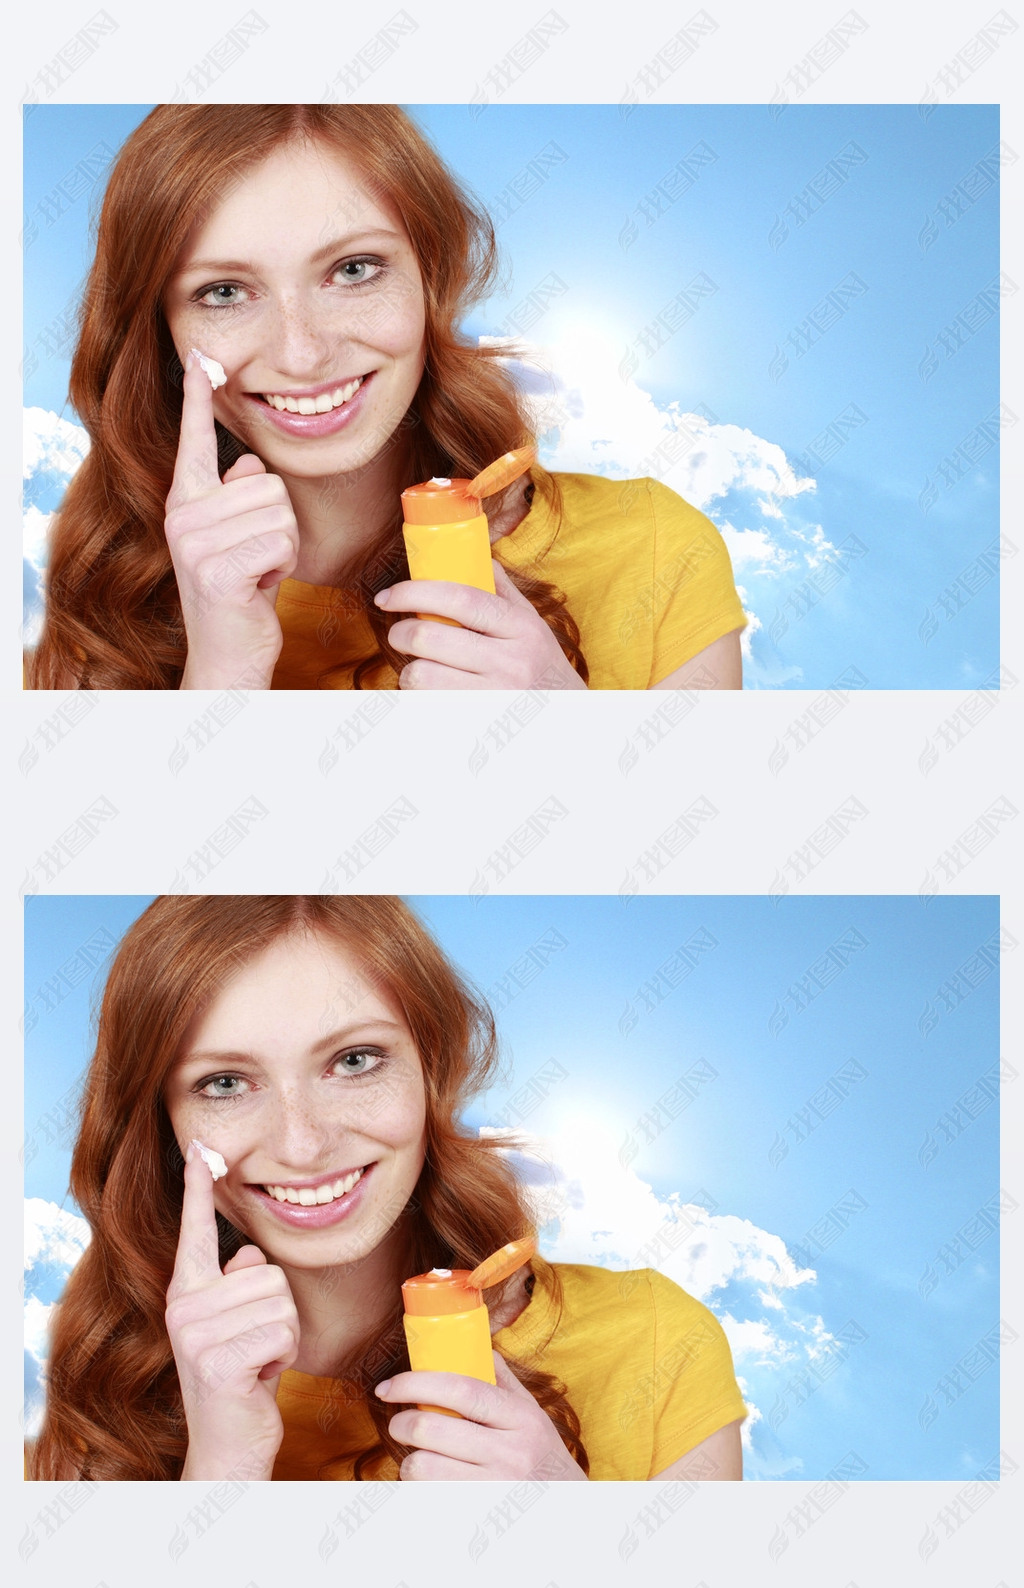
<point x="505" y="1376"/>
<point x="248" y="463"/>
<point x="245" y="1257"/>
<point x="504" y="587"/>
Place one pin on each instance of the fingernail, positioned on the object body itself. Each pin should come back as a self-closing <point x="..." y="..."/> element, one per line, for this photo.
<point x="190" y="1152"/>
<point x="383" y="1388"/>
<point x="381" y="598"/>
<point x="190" y="359"/>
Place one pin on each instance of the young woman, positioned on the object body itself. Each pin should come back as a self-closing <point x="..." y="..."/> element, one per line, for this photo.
<point x="251" y="1327"/>
<point x="250" y="537"/>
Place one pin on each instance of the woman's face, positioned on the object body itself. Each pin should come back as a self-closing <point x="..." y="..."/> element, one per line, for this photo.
<point x="304" y="285"/>
<point x="307" y="1081"/>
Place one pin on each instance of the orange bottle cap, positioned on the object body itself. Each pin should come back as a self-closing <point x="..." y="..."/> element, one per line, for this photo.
<point x="439" y="502"/>
<point x="446" y="1290"/>
<point x="501" y="1264"/>
<point x="440" y="1292"/>
<point x="497" y="475"/>
<point x="444" y="501"/>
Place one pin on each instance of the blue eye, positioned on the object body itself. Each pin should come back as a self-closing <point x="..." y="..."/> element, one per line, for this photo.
<point x="221" y="1086"/>
<point x="217" y="297"/>
<point x="360" y="1061"/>
<point x="354" y="272"/>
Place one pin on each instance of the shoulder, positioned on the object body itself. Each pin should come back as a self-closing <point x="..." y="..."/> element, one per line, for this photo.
<point x="681" y="1317"/>
<point x="642" y="498"/>
<point x="643" y="1296"/>
<point x="640" y="523"/>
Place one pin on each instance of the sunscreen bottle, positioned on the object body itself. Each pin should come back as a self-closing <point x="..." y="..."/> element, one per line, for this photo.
<point x="446" y="531"/>
<point x="447" y="1326"/>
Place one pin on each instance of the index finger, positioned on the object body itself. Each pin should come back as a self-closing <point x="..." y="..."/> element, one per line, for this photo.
<point x="474" y="609"/>
<point x="195" y="466"/>
<point x="470" y="1397"/>
<point x="196" y="1260"/>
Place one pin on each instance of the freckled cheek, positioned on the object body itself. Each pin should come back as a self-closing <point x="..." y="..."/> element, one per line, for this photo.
<point x="190" y="1121"/>
<point x="394" y="321"/>
<point x="393" y="1112"/>
<point x="191" y="327"/>
<point x="409" y="329"/>
<point x="409" y="1127"/>
<point x="388" y="1116"/>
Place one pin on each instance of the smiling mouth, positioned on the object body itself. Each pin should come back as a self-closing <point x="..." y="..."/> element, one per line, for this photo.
<point x="321" y="403"/>
<point x="315" y="1196"/>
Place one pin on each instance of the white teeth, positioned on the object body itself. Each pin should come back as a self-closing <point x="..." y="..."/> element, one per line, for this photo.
<point x="314" y="405"/>
<point x="318" y="1196"/>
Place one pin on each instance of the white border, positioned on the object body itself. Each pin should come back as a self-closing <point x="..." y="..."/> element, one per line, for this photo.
<point x="120" y="751"/>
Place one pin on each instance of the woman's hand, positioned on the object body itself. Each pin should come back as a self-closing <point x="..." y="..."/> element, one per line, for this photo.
<point x="501" y="1433"/>
<point x="232" y="1334"/>
<point x="231" y="544"/>
<point x="502" y="644"/>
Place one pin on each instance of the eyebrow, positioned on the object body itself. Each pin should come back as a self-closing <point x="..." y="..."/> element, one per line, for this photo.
<point x="246" y="266"/>
<point x="335" y="1039"/>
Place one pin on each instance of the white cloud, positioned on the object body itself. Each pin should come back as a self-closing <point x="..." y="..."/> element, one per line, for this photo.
<point x="594" y="421"/>
<point x="37" y="1327"/>
<point x="53" y="449"/>
<point x="37" y="529"/>
<point x="595" y="1208"/>
<point x="53" y="1235"/>
<point x="52" y="444"/>
<point x="54" y="1241"/>
<point x="753" y="1338"/>
<point x="821" y="548"/>
<point x="755" y="548"/>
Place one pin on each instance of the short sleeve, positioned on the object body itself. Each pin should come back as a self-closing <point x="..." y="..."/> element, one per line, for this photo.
<point x="695" y="1389"/>
<point x="695" y="595"/>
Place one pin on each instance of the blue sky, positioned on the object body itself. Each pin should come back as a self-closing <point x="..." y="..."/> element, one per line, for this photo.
<point x="877" y="222"/>
<point x="750" y="1097"/>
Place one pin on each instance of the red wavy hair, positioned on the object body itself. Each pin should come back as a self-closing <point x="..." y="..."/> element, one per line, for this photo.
<point x="114" y="1407"/>
<point x="113" y="615"/>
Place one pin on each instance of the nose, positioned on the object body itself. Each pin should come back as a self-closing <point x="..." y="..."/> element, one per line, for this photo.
<point x="300" y="346"/>
<point x="300" y="1138"/>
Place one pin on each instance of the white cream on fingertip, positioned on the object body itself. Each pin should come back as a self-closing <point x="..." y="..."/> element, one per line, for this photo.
<point x="213" y="1160"/>
<point x="213" y="371"/>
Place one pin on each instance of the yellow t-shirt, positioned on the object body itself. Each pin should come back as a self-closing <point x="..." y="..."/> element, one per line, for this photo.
<point x="647" y="1370"/>
<point x="645" y="575"/>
